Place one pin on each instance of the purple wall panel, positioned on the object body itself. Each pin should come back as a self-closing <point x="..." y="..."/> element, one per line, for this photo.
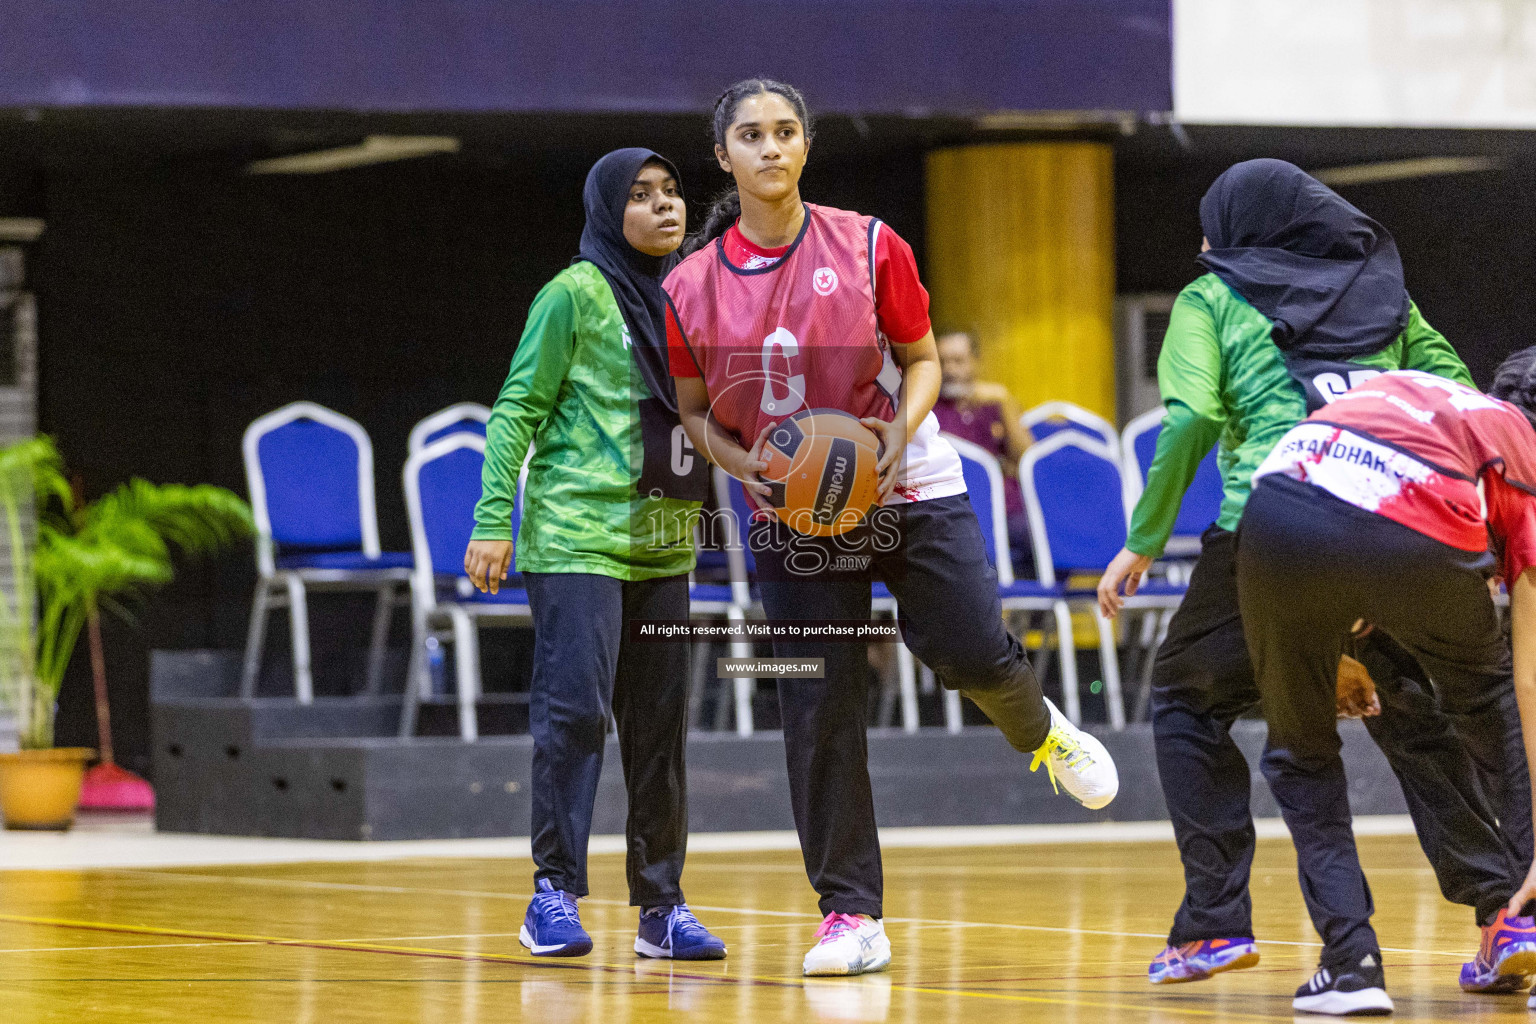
<point x="853" y="56"/>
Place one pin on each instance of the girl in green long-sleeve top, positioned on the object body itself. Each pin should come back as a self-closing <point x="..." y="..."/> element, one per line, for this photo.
<point x="1304" y="299"/>
<point x="606" y="541"/>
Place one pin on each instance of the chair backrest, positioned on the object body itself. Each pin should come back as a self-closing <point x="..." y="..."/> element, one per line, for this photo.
<point x="442" y="487"/>
<point x="1202" y="502"/>
<point x="1138" y="443"/>
<point x="310" y="473"/>
<point x="727" y="528"/>
<point x="984" y="483"/>
<point x="465" y="417"/>
<point x="1048" y="418"/>
<point x="1075" y="501"/>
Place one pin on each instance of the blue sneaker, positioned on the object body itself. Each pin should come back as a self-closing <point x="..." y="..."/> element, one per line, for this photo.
<point x="673" y="933"/>
<point x="1506" y="959"/>
<point x="1196" y="961"/>
<point x="551" y="927"/>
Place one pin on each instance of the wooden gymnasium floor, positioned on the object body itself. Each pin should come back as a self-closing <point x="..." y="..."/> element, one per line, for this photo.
<point x="993" y="934"/>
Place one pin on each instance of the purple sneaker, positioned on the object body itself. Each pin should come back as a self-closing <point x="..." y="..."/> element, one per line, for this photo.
<point x="1196" y="961"/>
<point x="552" y="926"/>
<point x="673" y="933"/>
<point x="1506" y="958"/>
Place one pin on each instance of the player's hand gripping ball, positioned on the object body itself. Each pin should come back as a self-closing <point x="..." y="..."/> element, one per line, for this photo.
<point x="821" y="469"/>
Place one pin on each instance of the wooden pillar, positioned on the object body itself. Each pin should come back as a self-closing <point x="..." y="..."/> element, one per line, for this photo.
<point x="1021" y="250"/>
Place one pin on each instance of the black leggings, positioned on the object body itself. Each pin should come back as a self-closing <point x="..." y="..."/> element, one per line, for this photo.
<point x="1308" y="567"/>
<point x="930" y="554"/>
<point x="586" y="672"/>
<point x="1203" y="681"/>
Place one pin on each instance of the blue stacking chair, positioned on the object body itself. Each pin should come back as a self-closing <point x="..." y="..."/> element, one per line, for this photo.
<point x="1049" y="418"/>
<point x="1074" y="495"/>
<point x="442" y="486"/>
<point x="1202" y="502"/>
<point x="1199" y="509"/>
<point x="984" y="483"/>
<point x="310" y="473"/>
<point x="465" y="417"/>
<point x="732" y="600"/>
<point x="743" y="572"/>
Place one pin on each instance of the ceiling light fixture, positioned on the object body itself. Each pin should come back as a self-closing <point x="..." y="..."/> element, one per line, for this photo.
<point x="1401" y="170"/>
<point x="375" y="149"/>
<point x="20" y="229"/>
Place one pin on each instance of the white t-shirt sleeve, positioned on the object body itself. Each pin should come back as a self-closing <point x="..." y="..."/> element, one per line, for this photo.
<point x="930" y="467"/>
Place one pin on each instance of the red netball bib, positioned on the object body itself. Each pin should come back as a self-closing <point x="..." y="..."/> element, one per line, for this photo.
<point x="798" y="334"/>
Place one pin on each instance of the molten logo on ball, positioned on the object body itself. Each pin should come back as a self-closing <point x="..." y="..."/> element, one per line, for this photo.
<point x="821" y="470"/>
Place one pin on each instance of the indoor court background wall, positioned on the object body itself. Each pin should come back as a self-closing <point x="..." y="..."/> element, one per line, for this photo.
<point x="179" y="299"/>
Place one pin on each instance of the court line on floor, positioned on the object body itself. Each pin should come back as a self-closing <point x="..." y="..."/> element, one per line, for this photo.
<point x="747" y="911"/>
<point x="156" y="945"/>
<point x="334" y="945"/>
<point x="100" y="849"/>
<point x="213" y="937"/>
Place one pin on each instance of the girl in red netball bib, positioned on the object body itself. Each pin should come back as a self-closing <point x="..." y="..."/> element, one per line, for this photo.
<point x="786" y="306"/>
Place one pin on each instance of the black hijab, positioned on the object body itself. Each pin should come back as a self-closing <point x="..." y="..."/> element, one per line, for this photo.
<point x="1327" y="275"/>
<point x="634" y="277"/>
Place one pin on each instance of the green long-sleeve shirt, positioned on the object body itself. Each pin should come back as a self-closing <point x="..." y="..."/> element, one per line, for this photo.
<point x="573" y="393"/>
<point x="1223" y="379"/>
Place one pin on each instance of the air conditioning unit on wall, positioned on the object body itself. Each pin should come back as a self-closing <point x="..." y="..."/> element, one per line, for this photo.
<point x="1141" y="320"/>
<point x="18" y="381"/>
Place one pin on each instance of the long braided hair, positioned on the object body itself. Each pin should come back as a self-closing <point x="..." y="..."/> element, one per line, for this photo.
<point x="726" y="207"/>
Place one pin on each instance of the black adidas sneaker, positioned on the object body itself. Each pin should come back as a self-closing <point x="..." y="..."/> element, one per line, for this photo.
<point x="1354" y="991"/>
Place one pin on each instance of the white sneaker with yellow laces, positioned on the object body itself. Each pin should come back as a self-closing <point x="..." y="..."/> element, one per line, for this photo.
<point x="1078" y="761"/>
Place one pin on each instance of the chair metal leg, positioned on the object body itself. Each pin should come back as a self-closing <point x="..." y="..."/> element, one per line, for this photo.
<point x="906" y="674"/>
<point x="1066" y="647"/>
<point x="466" y="656"/>
<point x="698" y="663"/>
<point x="418" y="683"/>
<point x="378" y="638"/>
<point x="954" y="714"/>
<point x="410" y="701"/>
<point x="418" y="676"/>
<point x="885" y="710"/>
<point x="1042" y="660"/>
<point x="1109" y="659"/>
<point x="1144" y="695"/>
<point x="743" y="685"/>
<point x="725" y="709"/>
<point x="298" y="618"/>
<point x="926" y="681"/>
<point x="1142" y="648"/>
<point x="255" y="639"/>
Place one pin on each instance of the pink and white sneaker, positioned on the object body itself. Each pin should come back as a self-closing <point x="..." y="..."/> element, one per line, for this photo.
<point x="848" y="944"/>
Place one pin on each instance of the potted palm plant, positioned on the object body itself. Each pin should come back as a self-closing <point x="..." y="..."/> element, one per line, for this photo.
<point x="83" y="557"/>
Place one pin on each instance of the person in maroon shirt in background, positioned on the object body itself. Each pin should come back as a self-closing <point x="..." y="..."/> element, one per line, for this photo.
<point x="985" y="414"/>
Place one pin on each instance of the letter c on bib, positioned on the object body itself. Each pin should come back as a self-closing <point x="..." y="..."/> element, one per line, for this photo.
<point x="682" y="452"/>
<point x="795" y="394"/>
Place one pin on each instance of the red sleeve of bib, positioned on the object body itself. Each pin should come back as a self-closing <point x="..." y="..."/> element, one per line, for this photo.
<point x="1512" y="515"/>
<point x="679" y="360"/>
<point x="901" y="301"/>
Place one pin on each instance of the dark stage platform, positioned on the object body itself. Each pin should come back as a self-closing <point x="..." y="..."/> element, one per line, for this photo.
<point x="335" y="770"/>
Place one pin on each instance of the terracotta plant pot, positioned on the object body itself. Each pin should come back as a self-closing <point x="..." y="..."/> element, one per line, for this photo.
<point x="40" y="788"/>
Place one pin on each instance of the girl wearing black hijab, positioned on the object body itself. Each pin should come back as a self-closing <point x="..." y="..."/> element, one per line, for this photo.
<point x="606" y="537"/>
<point x="1304" y="297"/>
